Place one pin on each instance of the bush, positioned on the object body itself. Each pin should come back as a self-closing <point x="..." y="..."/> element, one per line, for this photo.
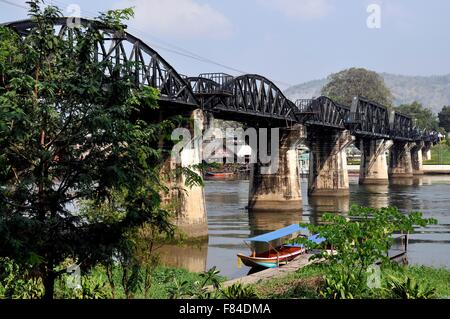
<point x="239" y="291"/>
<point x="358" y="242"/>
<point x="406" y="287"/>
<point x="199" y="289"/>
<point x="340" y="286"/>
<point x="18" y="283"/>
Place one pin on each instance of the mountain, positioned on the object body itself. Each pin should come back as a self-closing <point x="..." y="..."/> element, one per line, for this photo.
<point x="431" y="91"/>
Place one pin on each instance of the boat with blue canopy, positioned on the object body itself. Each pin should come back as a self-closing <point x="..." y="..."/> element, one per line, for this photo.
<point x="276" y="255"/>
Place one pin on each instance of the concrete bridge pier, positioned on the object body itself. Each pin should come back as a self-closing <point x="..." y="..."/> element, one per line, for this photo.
<point x="373" y="167"/>
<point x="426" y="151"/>
<point x="328" y="175"/>
<point x="188" y="203"/>
<point x="417" y="158"/>
<point x="400" y="165"/>
<point x="276" y="186"/>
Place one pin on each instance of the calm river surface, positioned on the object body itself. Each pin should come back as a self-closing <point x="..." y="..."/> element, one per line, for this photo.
<point x="229" y="222"/>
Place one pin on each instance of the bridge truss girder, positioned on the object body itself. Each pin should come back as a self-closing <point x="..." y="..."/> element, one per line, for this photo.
<point x="143" y="64"/>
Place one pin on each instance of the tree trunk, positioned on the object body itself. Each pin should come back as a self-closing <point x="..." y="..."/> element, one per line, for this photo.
<point x="49" y="285"/>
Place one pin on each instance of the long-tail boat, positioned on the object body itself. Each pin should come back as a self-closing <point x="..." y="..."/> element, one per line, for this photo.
<point x="278" y="255"/>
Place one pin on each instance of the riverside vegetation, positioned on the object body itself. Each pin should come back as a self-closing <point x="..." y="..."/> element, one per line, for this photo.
<point x="440" y="154"/>
<point x="81" y="173"/>
<point x="360" y="239"/>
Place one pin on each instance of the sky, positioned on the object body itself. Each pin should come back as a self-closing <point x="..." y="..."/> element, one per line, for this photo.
<point x="287" y="41"/>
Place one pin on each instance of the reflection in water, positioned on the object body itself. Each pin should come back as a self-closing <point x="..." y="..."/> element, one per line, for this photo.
<point x="263" y="222"/>
<point x="192" y="258"/>
<point x="426" y="179"/>
<point x="404" y="181"/>
<point x="229" y="223"/>
<point x="327" y="204"/>
<point x="376" y="196"/>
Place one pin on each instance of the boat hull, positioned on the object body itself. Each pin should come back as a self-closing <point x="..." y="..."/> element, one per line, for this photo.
<point x="211" y="175"/>
<point x="270" y="261"/>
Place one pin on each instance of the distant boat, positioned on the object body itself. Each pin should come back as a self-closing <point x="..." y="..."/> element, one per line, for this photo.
<point x="276" y="256"/>
<point x="220" y="174"/>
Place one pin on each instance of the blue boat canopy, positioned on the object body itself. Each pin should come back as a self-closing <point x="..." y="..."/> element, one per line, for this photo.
<point x="282" y="232"/>
<point x="316" y="239"/>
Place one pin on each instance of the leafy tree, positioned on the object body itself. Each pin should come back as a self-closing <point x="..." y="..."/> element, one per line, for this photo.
<point x="345" y="85"/>
<point x="70" y="134"/>
<point x="444" y="118"/>
<point x="424" y="116"/>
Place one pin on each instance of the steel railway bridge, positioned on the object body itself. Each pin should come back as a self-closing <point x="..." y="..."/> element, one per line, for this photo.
<point x="325" y="126"/>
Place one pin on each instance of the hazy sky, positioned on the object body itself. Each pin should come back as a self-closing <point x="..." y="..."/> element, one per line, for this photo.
<point x="288" y="41"/>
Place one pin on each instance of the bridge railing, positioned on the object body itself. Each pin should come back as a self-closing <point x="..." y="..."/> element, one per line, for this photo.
<point x="208" y="84"/>
<point x="220" y="78"/>
<point x="304" y="110"/>
<point x="304" y="105"/>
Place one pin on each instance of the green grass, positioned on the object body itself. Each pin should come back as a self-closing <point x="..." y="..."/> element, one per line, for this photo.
<point x="440" y="155"/>
<point x="301" y="284"/>
<point x="438" y="278"/>
<point x="162" y="280"/>
<point x="307" y="282"/>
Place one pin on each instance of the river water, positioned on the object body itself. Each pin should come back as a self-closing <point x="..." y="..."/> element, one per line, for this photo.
<point x="229" y="223"/>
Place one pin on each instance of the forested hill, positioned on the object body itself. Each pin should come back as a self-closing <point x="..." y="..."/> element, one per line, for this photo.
<point x="431" y="91"/>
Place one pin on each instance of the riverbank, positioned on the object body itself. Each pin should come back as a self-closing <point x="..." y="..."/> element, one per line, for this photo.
<point x="304" y="282"/>
<point x="440" y="155"/>
<point x="159" y="283"/>
<point x="307" y="282"/>
<point x="427" y="169"/>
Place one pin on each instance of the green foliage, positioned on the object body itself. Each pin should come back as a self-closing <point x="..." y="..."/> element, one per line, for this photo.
<point x="340" y="285"/>
<point x="198" y="289"/>
<point x="116" y="17"/>
<point x="359" y="241"/>
<point x="345" y="85"/>
<point x="305" y="282"/>
<point x="440" y="154"/>
<point x="425" y="118"/>
<point x="209" y="287"/>
<point x="405" y="287"/>
<point x="438" y="278"/>
<point x="17" y="282"/>
<point x="92" y="288"/>
<point x="239" y="291"/>
<point x="72" y="133"/>
<point x="444" y="118"/>
<point x="163" y="283"/>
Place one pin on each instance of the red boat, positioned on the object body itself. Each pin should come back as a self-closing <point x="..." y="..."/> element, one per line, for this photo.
<point x="219" y="174"/>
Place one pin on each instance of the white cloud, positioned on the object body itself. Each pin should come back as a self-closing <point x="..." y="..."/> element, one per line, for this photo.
<point x="186" y="18"/>
<point x="304" y="9"/>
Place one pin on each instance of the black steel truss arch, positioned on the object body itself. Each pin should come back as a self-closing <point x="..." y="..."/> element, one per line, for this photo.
<point x="249" y="94"/>
<point x="324" y="112"/>
<point x="401" y="127"/>
<point x="121" y="48"/>
<point x="253" y="93"/>
<point x="364" y="119"/>
<point x="368" y="119"/>
<point x="248" y="98"/>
